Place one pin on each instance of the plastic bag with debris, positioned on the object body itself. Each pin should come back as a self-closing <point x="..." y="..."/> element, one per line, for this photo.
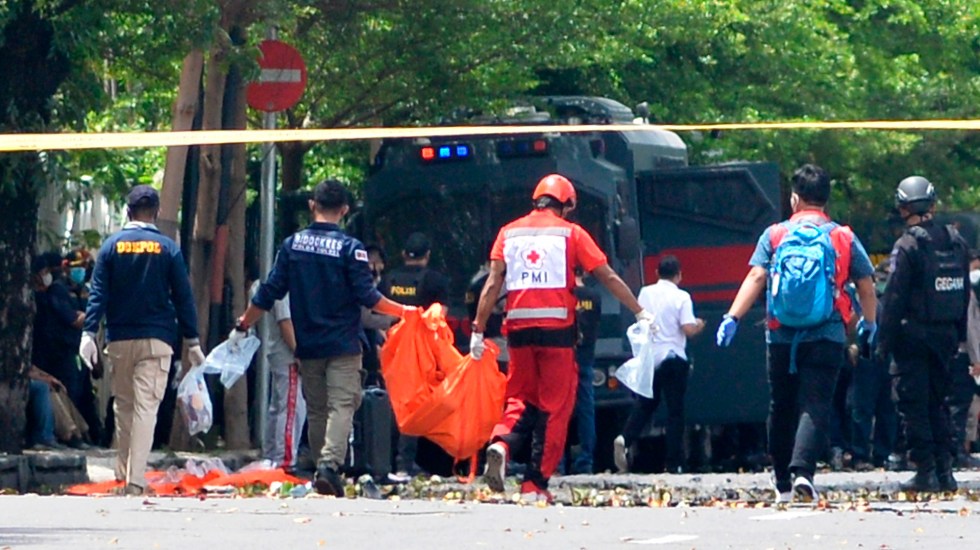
<point x="637" y="373"/>
<point x="195" y="401"/>
<point x="230" y="361"/>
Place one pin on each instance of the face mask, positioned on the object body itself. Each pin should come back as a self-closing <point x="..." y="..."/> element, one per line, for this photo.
<point x="975" y="277"/>
<point x="78" y="275"/>
<point x="47" y="279"/>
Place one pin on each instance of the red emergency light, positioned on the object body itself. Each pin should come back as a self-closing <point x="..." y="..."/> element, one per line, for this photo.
<point x="448" y="152"/>
<point x="540" y="146"/>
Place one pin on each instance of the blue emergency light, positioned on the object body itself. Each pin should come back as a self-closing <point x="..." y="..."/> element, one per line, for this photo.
<point x="445" y="153"/>
<point x="517" y="148"/>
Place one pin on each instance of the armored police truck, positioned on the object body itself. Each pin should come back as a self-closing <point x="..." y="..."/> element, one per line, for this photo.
<point x="638" y="198"/>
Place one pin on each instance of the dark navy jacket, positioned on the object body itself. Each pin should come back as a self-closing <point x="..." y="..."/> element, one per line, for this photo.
<point x="326" y="274"/>
<point x="140" y="284"/>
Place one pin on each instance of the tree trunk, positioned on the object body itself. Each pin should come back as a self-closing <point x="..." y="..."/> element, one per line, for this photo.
<point x="185" y="107"/>
<point x="31" y="71"/>
<point x="292" y="164"/>
<point x="18" y="233"/>
<point x="205" y="218"/>
<point x="237" y="434"/>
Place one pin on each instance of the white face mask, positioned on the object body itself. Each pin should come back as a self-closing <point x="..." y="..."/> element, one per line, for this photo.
<point x="47" y="279"/>
<point x="975" y="276"/>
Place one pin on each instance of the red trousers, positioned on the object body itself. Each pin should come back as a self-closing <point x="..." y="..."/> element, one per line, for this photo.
<point x="541" y="386"/>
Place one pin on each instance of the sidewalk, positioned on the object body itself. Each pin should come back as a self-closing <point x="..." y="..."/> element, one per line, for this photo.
<point x="601" y="489"/>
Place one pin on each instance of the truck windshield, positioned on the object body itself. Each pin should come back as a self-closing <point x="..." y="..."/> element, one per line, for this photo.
<point x="461" y="227"/>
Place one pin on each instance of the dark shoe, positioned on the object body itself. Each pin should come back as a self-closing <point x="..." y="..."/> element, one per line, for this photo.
<point x="131" y="490"/>
<point x="49" y="446"/>
<point x="944" y="474"/>
<point x="79" y="444"/>
<point x="924" y="481"/>
<point x="328" y="482"/>
<point x="862" y="466"/>
<point x="837" y="459"/>
<point x="967" y="462"/>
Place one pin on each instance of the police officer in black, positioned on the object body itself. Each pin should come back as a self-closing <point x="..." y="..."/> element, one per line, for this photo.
<point x="414" y="284"/>
<point x="924" y="321"/>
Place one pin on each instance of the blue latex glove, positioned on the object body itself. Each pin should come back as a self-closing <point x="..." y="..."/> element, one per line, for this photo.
<point x="726" y="331"/>
<point x="866" y="335"/>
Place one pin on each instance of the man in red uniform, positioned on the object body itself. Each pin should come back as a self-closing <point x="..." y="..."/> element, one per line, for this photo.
<point x="536" y="257"/>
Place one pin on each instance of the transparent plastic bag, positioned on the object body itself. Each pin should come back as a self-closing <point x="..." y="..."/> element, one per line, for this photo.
<point x="231" y="362"/>
<point x="195" y="401"/>
<point x="637" y="373"/>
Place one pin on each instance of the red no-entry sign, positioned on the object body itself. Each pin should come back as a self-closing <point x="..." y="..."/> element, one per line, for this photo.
<point x="282" y="80"/>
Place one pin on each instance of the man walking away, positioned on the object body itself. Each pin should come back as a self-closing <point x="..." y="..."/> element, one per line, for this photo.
<point x="536" y="256"/>
<point x="326" y="274"/>
<point x="805" y="263"/>
<point x="674" y="313"/>
<point x="140" y="285"/>
<point x="925" y="323"/>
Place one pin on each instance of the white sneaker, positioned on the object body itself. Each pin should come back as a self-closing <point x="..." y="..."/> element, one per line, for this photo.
<point x="782" y="497"/>
<point x="496" y="467"/>
<point x="619" y="455"/>
<point x="804" y="490"/>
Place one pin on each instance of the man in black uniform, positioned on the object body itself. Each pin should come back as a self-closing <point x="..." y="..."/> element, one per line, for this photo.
<point x="587" y="315"/>
<point x="414" y="284"/>
<point x="924" y="321"/>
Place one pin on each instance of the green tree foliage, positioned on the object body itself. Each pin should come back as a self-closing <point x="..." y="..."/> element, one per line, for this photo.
<point x="765" y="60"/>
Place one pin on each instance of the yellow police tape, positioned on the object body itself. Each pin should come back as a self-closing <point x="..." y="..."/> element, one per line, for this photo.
<point x="50" y="142"/>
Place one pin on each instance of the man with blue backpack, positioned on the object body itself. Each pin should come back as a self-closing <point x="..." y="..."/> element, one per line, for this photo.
<point x="803" y="263"/>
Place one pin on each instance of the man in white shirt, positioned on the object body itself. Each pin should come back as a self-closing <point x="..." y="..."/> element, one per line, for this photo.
<point x="674" y="314"/>
<point x="287" y="408"/>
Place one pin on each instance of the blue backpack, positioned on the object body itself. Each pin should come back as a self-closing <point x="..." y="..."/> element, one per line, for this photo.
<point x="802" y="287"/>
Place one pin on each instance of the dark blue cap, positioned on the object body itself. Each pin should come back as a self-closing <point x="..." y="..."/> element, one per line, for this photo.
<point x="143" y="196"/>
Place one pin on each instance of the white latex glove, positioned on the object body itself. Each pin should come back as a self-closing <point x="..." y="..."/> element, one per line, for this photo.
<point x="234" y="337"/>
<point x="195" y="355"/>
<point x="89" y="350"/>
<point x="646" y="318"/>
<point x="477" y="347"/>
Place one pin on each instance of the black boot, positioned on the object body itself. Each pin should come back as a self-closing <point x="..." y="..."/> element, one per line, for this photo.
<point x="328" y="482"/>
<point x="924" y="481"/>
<point x="944" y="474"/>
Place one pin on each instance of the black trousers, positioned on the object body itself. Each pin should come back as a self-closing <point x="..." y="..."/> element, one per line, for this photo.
<point x="962" y="388"/>
<point x="670" y="385"/>
<point x="800" y="406"/>
<point x="921" y="386"/>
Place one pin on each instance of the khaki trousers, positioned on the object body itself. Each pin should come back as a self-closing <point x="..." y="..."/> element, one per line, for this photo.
<point x="332" y="389"/>
<point x="68" y="422"/>
<point x="139" y="380"/>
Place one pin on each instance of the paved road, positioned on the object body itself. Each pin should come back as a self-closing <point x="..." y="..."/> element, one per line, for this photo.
<point x="34" y="522"/>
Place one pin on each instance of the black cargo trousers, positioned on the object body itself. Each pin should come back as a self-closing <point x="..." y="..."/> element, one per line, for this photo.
<point x="920" y="387"/>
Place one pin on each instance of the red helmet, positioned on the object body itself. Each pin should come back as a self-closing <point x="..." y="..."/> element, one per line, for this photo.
<point x="556" y="186"/>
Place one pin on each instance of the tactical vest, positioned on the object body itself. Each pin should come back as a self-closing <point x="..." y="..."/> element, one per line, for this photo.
<point x="941" y="296"/>
<point x="405" y="286"/>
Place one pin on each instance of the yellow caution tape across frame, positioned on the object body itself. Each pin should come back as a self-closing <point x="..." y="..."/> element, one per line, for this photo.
<point x="68" y="141"/>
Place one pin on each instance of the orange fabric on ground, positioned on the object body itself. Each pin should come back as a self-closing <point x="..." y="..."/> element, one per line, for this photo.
<point x="188" y="484"/>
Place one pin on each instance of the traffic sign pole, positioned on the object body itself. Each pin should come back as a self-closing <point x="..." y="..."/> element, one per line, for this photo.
<point x="267" y="199"/>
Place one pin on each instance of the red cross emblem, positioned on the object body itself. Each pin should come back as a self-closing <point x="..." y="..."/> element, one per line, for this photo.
<point x="533" y="258"/>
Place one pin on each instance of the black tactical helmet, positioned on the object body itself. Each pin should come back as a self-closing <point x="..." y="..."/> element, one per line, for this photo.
<point x="916" y="194"/>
